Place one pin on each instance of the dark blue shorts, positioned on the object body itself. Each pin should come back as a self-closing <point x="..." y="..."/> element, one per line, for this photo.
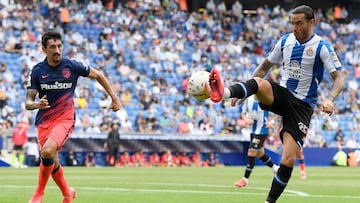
<point x="296" y="114"/>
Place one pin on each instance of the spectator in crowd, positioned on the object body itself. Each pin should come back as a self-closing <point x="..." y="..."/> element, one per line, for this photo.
<point x="352" y="143"/>
<point x="90" y="160"/>
<point x="32" y="153"/>
<point x="71" y="159"/>
<point x="339" y="137"/>
<point x="81" y="101"/>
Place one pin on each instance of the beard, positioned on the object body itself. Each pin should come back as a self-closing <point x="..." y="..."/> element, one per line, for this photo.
<point x="56" y="58"/>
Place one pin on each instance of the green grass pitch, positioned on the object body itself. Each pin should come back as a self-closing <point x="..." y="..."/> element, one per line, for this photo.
<point x="184" y="185"/>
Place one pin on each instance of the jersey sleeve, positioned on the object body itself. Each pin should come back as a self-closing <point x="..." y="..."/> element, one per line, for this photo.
<point x="80" y="69"/>
<point x="329" y="58"/>
<point x="32" y="81"/>
<point x="275" y="55"/>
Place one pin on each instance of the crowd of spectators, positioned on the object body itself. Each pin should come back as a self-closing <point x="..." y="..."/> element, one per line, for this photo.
<point x="138" y="158"/>
<point x="148" y="49"/>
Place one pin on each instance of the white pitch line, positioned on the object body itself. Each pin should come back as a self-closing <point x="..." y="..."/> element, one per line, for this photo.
<point x="298" y="193"/>
<point x="244" y="191"/>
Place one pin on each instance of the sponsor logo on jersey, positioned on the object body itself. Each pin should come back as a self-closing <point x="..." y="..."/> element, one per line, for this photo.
<point x="56" y="86"/>
<point x="335" y="59"/>
<point x="293" y="70"/>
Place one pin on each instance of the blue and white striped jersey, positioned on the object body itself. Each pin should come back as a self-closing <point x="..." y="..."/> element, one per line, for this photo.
<point x="303" y="64"/>
<point x="252" y="109"/>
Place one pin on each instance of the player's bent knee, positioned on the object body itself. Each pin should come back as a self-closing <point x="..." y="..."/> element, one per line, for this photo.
<point x="263" y="85"/>
<point x="288" y="161"/>
<point x="47" y="152"/>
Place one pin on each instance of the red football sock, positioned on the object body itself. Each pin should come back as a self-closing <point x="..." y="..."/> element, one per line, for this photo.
<point x="44" y="175"/>
<point x="59" y="178"/>
<point x="302" y="164"/>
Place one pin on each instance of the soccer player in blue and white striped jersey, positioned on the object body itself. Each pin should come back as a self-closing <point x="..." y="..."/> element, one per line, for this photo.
<point x="252" y="112"/>
<point x="304" y="57"/>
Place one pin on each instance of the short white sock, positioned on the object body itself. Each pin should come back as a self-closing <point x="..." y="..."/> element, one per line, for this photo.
<point x="227" y="93"/>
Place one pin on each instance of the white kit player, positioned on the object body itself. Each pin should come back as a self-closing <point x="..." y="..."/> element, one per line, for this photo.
<point x="304" y="57"/>
<point x="251" y="111"/>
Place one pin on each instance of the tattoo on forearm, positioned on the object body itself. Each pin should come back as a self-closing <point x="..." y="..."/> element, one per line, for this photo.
<point x="30" y="98"/>
<point x="262" y="69"/>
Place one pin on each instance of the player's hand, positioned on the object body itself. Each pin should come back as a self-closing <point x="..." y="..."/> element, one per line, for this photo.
<point x="328" y="106"/>
<point x="115" y="104"/>
<point x="237" y="100"/>
<point x="43" y="103"/>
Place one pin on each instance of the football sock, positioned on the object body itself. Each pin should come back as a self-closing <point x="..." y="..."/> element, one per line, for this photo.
<point x="21" y="159"/>
<point x="13" y="159"/>
<point x="59" y="178"/>
<point x="302" y="164"/>
<point x="267" y="160"/>
<point x="46" y="167"/>
<point x="243" y="89"/>
<point x="279" y="183"/>
<point x="249" y="166"/>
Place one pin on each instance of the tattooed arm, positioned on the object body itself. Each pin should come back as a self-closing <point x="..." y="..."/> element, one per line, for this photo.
<point x="262" y="69"/>
<point x="31" y="104"/>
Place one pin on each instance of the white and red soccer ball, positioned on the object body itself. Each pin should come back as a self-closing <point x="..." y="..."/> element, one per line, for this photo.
<point x="199" y="86"/>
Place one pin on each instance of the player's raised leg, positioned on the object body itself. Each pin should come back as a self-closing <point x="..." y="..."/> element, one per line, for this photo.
<point x="262" y="88"/>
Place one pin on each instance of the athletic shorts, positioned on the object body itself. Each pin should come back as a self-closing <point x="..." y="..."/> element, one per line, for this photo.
<point x="257" y="141"/>
<point x="18" y="147"/>
<point x="59" y="131"/>
<point x="296" y="114"/>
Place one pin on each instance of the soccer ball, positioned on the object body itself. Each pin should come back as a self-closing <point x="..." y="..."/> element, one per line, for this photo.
<point x="199" y="86"/>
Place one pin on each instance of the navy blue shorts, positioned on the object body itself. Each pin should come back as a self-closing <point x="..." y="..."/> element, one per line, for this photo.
<point x="296" y="114"/>
<point x="257" y="141"/>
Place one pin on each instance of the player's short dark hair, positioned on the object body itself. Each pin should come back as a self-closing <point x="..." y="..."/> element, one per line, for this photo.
<point x="49" y="35"/>
<point x="306" y="10"/>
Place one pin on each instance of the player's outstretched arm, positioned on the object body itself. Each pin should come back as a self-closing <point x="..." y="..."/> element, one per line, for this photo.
<point x="104" y="82"/>
<point x="338" y="85"/>
<point x="31" y="104"/>
<point x="262" y="69"/>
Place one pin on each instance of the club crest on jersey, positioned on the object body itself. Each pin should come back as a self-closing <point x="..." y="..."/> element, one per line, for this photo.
<point x="309" y="52"/>
<point x="66" y="73"/>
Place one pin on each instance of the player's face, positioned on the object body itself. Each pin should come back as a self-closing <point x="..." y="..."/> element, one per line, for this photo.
<point x="53" y="51"/>
<point x="302" y="28"/>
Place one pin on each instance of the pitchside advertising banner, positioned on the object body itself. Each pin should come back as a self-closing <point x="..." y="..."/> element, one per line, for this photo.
<point x="313" y="156"/>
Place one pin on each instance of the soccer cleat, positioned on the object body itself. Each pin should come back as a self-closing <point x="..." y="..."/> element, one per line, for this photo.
<point x="302" y="175"/>
<point x="36" y="198"/>
<point x="69" y="199"/>
<point x="242" y="183"/>
<point x="216" y="85"/>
